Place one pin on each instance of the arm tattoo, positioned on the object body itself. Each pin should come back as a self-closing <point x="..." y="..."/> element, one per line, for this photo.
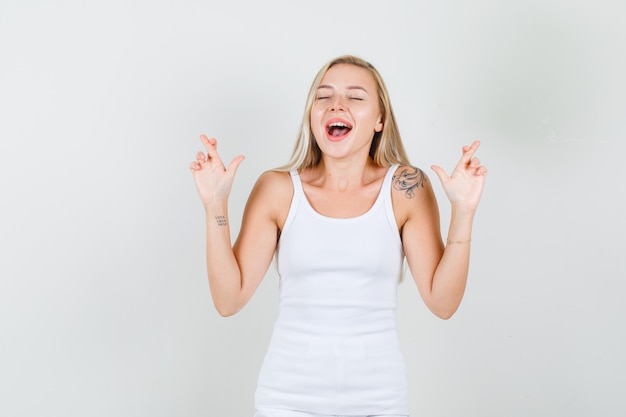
<point x="408" y="180"/>
<point x="221" y="220"/>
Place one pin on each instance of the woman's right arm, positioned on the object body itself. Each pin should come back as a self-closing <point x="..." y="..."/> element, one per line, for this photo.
<point x="234" y="273"/>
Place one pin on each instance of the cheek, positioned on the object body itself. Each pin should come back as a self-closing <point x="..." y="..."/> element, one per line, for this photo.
<point x="374" y="119"/>
<point x="316" y="115"/>
<point x="315" y="121"/>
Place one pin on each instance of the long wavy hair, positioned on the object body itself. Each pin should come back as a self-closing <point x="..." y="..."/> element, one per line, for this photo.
<point x="386" y="149"/>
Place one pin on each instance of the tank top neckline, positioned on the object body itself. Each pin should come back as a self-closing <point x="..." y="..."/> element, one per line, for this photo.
<point x="383" y="193"/>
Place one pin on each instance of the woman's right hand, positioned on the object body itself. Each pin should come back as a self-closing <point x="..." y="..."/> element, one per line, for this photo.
<point x="213" y="179"/>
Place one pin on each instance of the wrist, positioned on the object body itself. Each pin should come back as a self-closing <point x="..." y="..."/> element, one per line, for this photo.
<point x="463" y="212"/>
<point x="215" y="210"/>
<point x="215" y="204"/>
<point x="457" y="242"/>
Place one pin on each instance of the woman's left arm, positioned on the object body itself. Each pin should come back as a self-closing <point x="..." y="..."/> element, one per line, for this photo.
<point x="440" y="272"/>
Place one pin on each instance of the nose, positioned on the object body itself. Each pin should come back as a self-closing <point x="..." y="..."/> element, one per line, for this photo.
<point x="337" y="104"/>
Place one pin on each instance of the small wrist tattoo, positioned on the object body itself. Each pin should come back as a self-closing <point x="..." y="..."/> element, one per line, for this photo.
<point x="221" y="220"/>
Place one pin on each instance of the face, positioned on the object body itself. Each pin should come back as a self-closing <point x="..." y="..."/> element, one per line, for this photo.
<point x="346" y="112"/>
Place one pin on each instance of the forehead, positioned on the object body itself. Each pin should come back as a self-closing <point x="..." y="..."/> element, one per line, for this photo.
<point x="349" y="75"/>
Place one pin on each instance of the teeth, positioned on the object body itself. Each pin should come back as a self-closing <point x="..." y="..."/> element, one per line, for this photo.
<point x="338" y="124"/>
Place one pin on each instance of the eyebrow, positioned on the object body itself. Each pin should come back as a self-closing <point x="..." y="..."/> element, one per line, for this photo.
<point x="350" y="87"/>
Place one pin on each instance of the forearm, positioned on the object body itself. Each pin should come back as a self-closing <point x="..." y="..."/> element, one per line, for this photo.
<point x="222" y="268"/>
<point x="450" y="278"/>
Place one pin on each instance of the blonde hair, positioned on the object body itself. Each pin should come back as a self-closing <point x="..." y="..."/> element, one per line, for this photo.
<point x="386" y="149"/>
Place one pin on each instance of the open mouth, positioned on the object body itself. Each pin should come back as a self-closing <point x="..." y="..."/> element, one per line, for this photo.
<point x="336" y="129"/>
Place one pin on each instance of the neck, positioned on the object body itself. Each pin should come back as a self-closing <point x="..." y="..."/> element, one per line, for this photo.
<point x="343" y="174"/>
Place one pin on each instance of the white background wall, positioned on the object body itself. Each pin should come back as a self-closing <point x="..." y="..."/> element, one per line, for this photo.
<point x="104" y="305"/>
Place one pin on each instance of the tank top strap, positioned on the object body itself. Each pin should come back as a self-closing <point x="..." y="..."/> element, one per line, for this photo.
<point x="386" y="192"/>
<point x="298" y="190"/>
<point x="388" y="179"/>
<point x="298" y="195"/>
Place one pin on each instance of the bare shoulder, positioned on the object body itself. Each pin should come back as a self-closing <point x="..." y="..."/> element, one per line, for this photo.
<point x="408" y="180"/>
<point x="412" y="193"/>
<point x="275" y="183"/>
<point x="273" y="191"/>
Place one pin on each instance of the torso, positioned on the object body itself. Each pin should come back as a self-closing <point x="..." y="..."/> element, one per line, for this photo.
<point x="334" y="349"/>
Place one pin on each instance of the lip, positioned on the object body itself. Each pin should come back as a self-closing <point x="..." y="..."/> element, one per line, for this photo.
<point x="337" y="120"/>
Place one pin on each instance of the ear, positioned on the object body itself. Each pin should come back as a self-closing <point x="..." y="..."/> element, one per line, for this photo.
<point x="378" y="127"/>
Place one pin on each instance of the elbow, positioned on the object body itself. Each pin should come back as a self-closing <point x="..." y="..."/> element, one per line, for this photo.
<point x="444" y="313"/>
<point x="444" y="307"/>
<point x="227" y="305"/>
<point x="226" y="310"/>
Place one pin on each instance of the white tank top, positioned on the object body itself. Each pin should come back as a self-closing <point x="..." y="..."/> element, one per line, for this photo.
<point x="334" y="349"/>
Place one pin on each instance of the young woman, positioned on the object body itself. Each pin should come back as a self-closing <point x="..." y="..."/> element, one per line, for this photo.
<point x="340" y="218"/>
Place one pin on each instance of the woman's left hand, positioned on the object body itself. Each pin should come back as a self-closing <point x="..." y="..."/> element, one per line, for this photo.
<point x="465" y="185"/>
